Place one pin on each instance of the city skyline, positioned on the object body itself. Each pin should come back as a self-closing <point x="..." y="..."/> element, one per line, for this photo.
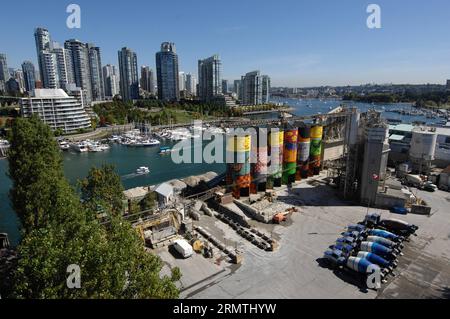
<point x="295" y="49"/>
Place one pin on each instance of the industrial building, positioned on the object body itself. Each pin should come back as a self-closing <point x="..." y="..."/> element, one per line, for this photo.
<point x="424" y="147"/>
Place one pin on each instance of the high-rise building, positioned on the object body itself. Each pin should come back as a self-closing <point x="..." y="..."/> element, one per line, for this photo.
<point x="49" y="74"/>
<point x="95" y="68"/>
<point x="42" y="39"/>
<point x="265" y="89"/>
<point x="167" y="73"/>
<point x="29" y="76"/>
<point x="182" y="81"/>
<point x="57" y="109"/>
<point x="191" y="84"/>
<point x="18" y="76"/>
<point x="209" y="78"/>
<point x="225" y="86"/>
<point x="79" y="54"/>
<point x="64" y="65"/>
<point x="129" y="78"/>
<point x="255" y="89"/>
<point x="4" y="73"/>
<point x="148" y="80"/>
<point x="111" y="79"/>
<point x="237" y="88"/>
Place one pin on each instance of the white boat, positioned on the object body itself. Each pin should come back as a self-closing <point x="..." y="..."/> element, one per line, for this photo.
<point x="64" y="146"/>
<point x="146" y="143"/>
<point x="80" y="147"/>
<point x="104" y="147"/>
<point x="114" y="138"/>
<point x="143" y="170"/>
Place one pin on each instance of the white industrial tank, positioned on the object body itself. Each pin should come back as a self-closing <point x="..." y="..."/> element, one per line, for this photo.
<point x="423" y="144"/>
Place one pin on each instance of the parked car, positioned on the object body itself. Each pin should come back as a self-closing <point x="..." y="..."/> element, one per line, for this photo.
<point x="429" y="187"/>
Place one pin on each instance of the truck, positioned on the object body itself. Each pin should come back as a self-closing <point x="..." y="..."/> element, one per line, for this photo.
<point x="413" y="180"/>
<point x="183" y="247"/>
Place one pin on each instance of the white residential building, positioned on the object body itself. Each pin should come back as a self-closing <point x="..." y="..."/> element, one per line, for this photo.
<point x="57" y="109"/>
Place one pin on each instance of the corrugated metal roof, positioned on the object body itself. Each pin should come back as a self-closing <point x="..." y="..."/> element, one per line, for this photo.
<point x="164" y="189"/>
<point x="395" y="137"/>
<point x="403" y="127"/>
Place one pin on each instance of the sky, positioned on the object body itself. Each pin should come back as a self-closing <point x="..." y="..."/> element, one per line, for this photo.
<point x="296" y="42"/>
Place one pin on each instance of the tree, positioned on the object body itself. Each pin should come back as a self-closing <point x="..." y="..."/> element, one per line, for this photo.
<point x="58" y="132"/>
<point x="58" y="231"/>
<point x="35" y="163"/>
<point x="103" y="187"/>
<point x="148" y="202"/>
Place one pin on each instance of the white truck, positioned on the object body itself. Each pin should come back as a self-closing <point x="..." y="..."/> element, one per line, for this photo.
<point x="414" y="180"/>
<point x="183" y="247"/>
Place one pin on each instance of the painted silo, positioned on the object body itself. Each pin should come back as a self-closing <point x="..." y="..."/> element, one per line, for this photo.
<point x="316" y="150"/>
<point x="238" y="170"/>
<point x="304" y="147"/>
<point x="275" y="157"/>
<point x="259" y="168"/>
<point x="290" y="155"/>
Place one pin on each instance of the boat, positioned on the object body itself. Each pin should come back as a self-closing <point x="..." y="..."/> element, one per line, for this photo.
<point x="164" y="150"/>
<point x="143" y="170"/>
<point x="147" y="143"/>
<point x="114" y="138"/>
<point x="64" y="146"/>
<point x="80" y="147"/>
<point x="104" y="147"/>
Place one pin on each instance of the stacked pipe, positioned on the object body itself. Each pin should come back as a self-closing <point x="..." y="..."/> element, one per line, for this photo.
<point x="275" y="156"/>
<point x="259" y="168"/>
<point x="238" y="170"/>
<point x="304" y="144"/>
<point x="316" y="150"/>
<point x="290" y="156"/>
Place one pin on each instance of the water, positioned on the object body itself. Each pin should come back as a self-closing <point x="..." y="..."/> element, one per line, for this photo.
<point x="127" y="160"/>
<point x="315" y="106"/>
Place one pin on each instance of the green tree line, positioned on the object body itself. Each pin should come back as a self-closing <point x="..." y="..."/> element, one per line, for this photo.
<point x="60" y="228"/>
<point x="422" y="99"/>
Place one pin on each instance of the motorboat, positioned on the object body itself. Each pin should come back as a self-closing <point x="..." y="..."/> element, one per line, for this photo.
<point x="64" y="146"/>
<point x="164" y="150"/>
<point x="143" y="170"/>
<point x="147" y="143"/>
<point x="80" y="147"/>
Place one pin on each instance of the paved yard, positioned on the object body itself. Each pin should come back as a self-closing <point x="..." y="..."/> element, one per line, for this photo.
<point x="293" y="271"/>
